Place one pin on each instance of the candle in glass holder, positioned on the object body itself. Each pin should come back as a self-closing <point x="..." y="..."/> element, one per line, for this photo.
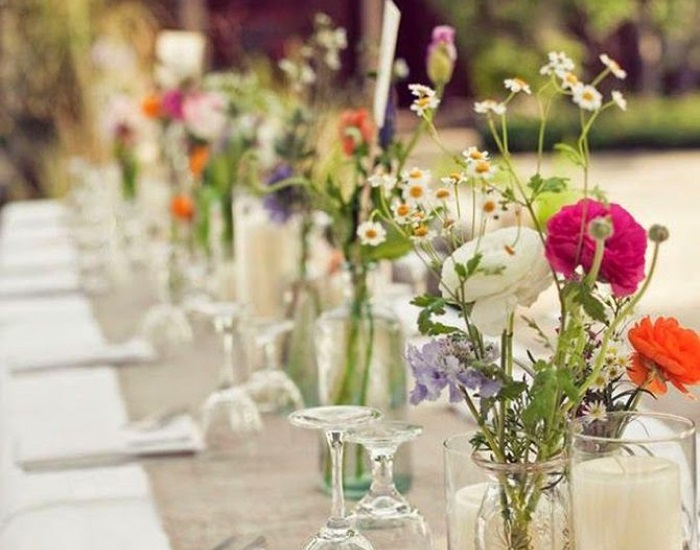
<point x="465" y="512"/>
<point x="627" y="503"/>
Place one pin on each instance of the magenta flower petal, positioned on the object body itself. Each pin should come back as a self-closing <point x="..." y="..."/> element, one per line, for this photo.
<point x="569" y="245"/>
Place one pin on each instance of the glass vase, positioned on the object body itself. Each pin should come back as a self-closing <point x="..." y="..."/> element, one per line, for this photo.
<point x="525" y="506"/>
<point x="360" y="357"/>
<point x="633" y="482"/>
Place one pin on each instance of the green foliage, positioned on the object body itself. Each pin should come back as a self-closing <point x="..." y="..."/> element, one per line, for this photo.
<point x="669" y="123"/>
<point x="432" y="305"/>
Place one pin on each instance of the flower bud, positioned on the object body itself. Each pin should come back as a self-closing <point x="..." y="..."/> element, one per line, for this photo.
<point x="442" y="55"/>
<point x="600" y="229"/>
<point x="658" y="233"/>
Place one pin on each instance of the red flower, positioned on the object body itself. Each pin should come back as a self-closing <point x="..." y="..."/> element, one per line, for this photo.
<point x="664" y="352"/>
<point x="569" y="245"/>
<point x="356" y="128"/>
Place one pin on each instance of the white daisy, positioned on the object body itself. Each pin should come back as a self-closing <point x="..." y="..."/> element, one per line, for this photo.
<point x="558" y="63"/>
<point x="472" y="154"/>
<point x="491" y="207"/>
<point x="588" y="98"/>
<point x="455" y="178"/>
<point x="619" y="99"/>
<point x="422" y="105"/>
<point x="421" y="90"/>
<point x="614" y="66"/>
<point x="371" y="233"/>
<point x="600" y="382"/>
<point x="442" y="193"/>
<point x="595" y="410"/>
<point x="516" y="85"/>
<point x="489" y="106"/>
<point x="382" y="179"/>
<point x="422" y="233"/>
<point x="481" y="169"/>
<point x="569" y="81"/>
<point x="403" y="212"/>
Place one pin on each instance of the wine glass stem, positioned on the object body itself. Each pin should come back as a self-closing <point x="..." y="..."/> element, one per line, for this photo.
<point x="382" y="472"/>
<point x="270" y="356"/>
<point x="335" y="442"/>
<point x="227" y="377"/>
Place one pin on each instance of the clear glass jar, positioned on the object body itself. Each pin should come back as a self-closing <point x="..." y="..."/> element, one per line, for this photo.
<point x="360" y="356"/>
<point x="525" y="506"/>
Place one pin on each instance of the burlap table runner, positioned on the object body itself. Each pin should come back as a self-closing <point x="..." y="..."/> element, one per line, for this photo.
<point x="261" y="484"/>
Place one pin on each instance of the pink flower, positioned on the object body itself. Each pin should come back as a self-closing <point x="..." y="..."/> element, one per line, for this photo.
<point x="205" y="114"/>
<point x="569" y="245"/>
<point x="171" y="104"/>
<point x="444" y="35"/>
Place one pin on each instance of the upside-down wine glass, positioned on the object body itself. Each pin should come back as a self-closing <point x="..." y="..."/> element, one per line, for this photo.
<point x="231" y="400"/>
<point x="338" y="532"/>
<point x="165" y="324"/>
<point x="383" y="514"/>
<point x="270" y="387"/>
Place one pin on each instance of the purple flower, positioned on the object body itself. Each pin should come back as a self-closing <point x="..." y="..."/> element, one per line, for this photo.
<point x="441" y="55"/>
<point x="444" y="35"/>
<point x="281" y="204"/>
<point x="445" y="363"/>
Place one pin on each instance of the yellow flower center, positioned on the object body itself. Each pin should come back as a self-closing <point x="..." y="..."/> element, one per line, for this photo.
<point x="442" y="193"/>
<point x="420" y="231"/>
<point x="482" y="167"/>
<point x="415" y="173"/>
<point x="476" y="155"/>
<point x="571" y="78"/>
<point x="423" y="101"/>
<point x="370" y="233"/>
<point x="416" y="191"/>
<point x="403" y="210"/>
<point x="587" y="95"/>
<point x="489" y="207"/>
<point x="456" y="176"/>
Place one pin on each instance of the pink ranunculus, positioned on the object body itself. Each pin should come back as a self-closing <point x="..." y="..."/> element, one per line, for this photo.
<point x="569" y="245"/>
<point x="205" y="114"/>
<point x="171" y="104"/>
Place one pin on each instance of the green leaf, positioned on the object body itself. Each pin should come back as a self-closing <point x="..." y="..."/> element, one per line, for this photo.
<point x="473" y="264"/>
<point x="593" y="307"/>
<point x="535" y="184"/>
<point x="461" y="271"/>
<point x="554" y="185"/>
<point x="396" y="245"/>
<point x="570" y="152"/>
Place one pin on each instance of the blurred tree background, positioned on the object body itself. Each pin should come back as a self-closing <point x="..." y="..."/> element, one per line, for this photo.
<point x="657" y="41"/>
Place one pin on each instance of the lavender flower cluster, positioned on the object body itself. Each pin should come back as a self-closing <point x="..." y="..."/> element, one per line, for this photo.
<point x="451" y="362"/>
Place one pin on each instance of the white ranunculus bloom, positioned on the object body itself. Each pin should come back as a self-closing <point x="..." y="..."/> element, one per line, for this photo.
<point x="205" y="114"/>
<point x="525" y="273"/>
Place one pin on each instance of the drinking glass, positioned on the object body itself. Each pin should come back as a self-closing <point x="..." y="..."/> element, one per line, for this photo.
<point x="633" y="482"/>
<point x="231" y="400"/>
<point x="338" y="532"/>
<point x="383" y="514"/>
<point x="271" y="388"/>
<point x="165" y="324"/>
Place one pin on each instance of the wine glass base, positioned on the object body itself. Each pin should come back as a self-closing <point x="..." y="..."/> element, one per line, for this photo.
<point x="381" y="508"/>
<point x="331" y="539"/>
<point x="166" y="326"/>
<point x="235" y="407"/>
<point x="274" y="392"/>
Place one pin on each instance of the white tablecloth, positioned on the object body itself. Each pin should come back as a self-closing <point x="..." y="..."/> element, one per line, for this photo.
<point x="62" y="410"/>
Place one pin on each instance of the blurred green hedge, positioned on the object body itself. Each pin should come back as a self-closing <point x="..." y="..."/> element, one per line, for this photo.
<point x="648" y="123"/>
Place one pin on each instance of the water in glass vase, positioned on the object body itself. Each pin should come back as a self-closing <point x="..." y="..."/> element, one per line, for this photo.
<point x="360" y="354"/>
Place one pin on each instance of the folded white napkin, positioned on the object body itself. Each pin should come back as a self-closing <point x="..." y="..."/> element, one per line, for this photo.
<point x="39" y="284"/>
<point x="28" y="260"/>
<point x="137" y="350"/>
<point x="48" y="309"/>
<point x="179" y="435"/>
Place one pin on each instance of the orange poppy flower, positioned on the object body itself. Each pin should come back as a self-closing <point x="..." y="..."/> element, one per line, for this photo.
<point x="182" y="207"/>
<point x="150" y="106"/>
<point x="199" y="156"/>
<point x="664" y="352"/>
<point x="356" y="128"/>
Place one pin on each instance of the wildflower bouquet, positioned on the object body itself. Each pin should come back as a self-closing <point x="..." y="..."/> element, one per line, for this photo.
<point x="592" y="252"/>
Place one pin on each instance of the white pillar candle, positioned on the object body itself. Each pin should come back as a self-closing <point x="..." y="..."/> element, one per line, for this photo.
<point x="465" y="511"/>
<point x="627" y="503"/>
